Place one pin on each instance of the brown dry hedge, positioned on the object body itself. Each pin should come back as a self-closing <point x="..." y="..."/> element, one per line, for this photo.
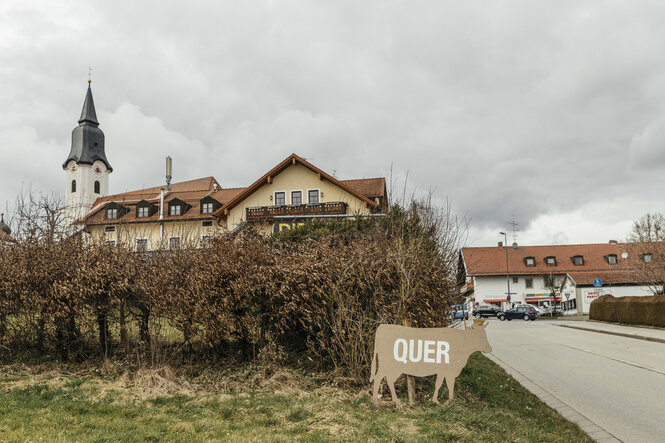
<point x="646" y="311"/>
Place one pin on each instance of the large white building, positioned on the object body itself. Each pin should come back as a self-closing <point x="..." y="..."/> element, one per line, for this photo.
<point x="614" y="267"/>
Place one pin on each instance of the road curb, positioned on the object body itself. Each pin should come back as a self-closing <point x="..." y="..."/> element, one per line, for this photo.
<point x="620" y="334"/>
<point x="592" y="429"/>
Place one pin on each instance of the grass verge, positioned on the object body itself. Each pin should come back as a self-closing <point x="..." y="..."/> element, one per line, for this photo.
<point x="489" y="406"/>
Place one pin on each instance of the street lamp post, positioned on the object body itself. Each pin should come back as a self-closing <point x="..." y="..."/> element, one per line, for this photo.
<point x="505" y="247"/>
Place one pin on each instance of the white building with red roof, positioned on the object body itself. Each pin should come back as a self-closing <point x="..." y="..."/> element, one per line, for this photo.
<point x="489" y="272"/>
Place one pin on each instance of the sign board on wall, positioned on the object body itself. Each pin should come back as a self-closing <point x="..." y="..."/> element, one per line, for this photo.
<point x="285" y="226"/>
<point x="423" y="352"/>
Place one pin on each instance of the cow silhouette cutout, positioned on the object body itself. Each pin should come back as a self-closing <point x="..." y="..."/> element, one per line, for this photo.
<point x="422" y="352"/>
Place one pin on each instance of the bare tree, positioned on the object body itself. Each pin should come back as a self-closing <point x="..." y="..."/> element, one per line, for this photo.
<point x="648" y="228"/>
<point x="554" y="285"/>
<point x="41" y="217"/>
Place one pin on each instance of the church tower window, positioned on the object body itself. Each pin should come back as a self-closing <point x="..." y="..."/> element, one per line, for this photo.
<point x="73" y="185"/>
<point x="97" y="187"/>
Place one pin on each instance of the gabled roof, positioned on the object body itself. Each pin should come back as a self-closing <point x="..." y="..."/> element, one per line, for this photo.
<point x="370" y="187"/>
<point x="267" y="178"/>
<point x="491" y="261"/>
<point x="190" y="192"/>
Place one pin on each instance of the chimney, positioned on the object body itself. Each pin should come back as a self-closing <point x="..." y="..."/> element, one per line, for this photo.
<point x="169" y="171"/>
<point x="501" y="244"/>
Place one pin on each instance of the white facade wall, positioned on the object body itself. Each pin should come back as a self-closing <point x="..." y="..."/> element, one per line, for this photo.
<point x="80" y="202"/>
<point x="495" y="287"/>
<point x="587" y="295"/>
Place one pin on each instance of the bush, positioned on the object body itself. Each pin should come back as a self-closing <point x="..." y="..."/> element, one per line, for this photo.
<point x="320" y="290"/>
<point x="647" y="311"/>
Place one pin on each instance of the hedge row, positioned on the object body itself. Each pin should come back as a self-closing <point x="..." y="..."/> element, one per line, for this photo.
<point x="647" y="311"/>
<point x="321" y="290"/>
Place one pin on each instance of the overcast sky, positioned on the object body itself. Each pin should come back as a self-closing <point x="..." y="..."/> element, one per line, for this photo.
<point x="551" y="112"/>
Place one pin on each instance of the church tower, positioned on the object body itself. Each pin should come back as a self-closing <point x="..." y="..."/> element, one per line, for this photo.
<point x="86" y="168"/>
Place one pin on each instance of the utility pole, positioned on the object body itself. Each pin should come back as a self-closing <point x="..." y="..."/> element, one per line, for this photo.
<point x="505" y="247"/>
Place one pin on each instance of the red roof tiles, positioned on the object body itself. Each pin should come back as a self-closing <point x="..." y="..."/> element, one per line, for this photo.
<point x="484" y="261"/>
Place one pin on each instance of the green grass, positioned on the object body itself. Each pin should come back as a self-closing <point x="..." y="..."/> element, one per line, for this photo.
<point x="489" y="406"/>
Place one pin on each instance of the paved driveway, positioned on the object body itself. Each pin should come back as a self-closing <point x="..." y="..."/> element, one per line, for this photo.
<point x="618" y="383"/>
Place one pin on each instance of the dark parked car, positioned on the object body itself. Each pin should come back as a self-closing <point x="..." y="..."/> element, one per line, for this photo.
<point x="520" y="311"/>
<point x="485" y="311"/>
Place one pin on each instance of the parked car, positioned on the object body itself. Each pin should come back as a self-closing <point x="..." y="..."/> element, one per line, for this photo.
<point x="520" y="311"/>
<point x="459" y="311"/>
<point x="485" y="311"/>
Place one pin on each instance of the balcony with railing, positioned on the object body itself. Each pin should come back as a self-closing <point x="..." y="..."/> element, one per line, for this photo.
<point x="268" y="213"/>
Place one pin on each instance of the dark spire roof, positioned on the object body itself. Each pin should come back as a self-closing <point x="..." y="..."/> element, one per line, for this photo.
<point x="87" y="138"/>
<point x="88" y="113"/>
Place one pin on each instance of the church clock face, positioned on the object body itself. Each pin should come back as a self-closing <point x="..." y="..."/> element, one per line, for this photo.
<point x="97" y="170"/>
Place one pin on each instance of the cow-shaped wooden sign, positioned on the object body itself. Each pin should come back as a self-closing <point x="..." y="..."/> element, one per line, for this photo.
<point x="422" y="352"/>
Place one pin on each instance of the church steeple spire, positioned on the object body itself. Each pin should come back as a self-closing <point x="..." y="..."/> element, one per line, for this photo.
<point x="86" y="168"/>
<point x="88" y="113"/>
<point x="87" y="138"/>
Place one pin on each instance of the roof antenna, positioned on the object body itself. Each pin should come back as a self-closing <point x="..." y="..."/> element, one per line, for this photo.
<point x="513" y="227"/>
<point x="169" y="171"/>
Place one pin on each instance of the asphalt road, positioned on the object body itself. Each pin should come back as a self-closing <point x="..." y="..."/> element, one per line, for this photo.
<point x="616" y="382"/>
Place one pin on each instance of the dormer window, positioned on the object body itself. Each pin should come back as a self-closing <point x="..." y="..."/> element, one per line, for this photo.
<point x="530" y="261"/>
<point x="209" y="205"/>
<point x="611" y="259"/>
<point x="115" y="211"/>
<point x="647" y="258"/>
<point x="178" y="207"/>
<point x="577" y="260"/>
<point x="145" y="209"/>
<point x="550" y="261"/>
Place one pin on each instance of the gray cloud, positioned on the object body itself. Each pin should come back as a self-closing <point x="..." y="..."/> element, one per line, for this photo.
<point x="520" y="108"/>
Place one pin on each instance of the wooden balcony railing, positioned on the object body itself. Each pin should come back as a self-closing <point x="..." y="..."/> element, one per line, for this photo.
<point x="267" y="213"/>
